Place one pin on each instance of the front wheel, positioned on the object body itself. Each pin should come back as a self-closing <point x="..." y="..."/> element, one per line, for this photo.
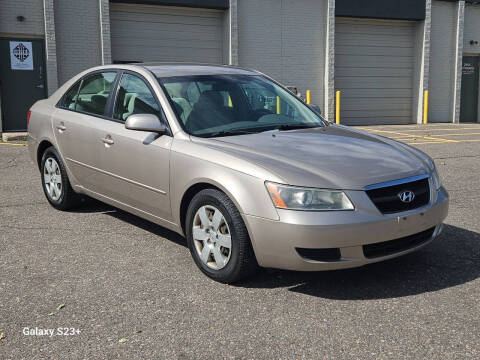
<point x="217" y="237"/>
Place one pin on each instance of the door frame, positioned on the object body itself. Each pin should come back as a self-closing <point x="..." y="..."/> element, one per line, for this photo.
<point x="44" y="65"/>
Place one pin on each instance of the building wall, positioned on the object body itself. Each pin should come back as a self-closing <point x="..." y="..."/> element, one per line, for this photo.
<point x="78" y="36"/>
<point x="285" y="40"/>
<point x="442" y="61"/>
<point x="32" y="10"/>
<point x="226" y="36"/>
<point x="421" y="62"/>
<point x="472" y="29"/>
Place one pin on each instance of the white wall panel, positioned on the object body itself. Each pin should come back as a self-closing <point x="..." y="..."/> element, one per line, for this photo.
<point x="442" y="61"/>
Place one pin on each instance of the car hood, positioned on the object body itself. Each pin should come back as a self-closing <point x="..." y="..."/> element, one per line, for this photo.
<point x="333" y="157"/>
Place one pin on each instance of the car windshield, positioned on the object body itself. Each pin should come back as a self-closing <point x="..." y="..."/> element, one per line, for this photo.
<point x="222" y="105"/>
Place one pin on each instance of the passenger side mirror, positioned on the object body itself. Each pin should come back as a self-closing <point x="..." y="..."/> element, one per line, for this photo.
<point x="315" y="108"/>
<point x="145" y="122"/>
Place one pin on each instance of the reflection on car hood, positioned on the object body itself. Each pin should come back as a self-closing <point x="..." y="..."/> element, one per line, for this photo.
<point x="330" y="157"/>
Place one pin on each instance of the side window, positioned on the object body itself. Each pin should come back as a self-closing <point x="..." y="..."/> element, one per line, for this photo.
<point x="70" y="97"/>
<point x="134" y="97"/>
<point x="94" y="92"/>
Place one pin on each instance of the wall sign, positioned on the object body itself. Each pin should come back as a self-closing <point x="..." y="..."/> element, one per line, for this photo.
<point x="468" y="69"/>
<point x="21" y="55"/>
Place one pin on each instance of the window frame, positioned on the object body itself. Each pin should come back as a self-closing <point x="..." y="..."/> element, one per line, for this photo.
<point x="61" y="103"/>
<point x="116" y="88"/>
<point x="112" y="96"/>
<point x="107" y="106"/>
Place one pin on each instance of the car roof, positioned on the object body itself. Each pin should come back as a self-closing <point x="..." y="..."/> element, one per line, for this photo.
<point x="189" y="69"/>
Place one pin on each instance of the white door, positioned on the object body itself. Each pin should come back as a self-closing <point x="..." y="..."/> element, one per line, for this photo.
<point x="374" y="67"/>
<point x="142" y="33"/>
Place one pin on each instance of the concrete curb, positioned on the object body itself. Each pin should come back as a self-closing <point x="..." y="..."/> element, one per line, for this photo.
<point x="14" y="136"/>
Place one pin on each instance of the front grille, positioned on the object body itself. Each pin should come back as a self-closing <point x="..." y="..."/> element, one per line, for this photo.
<point x="330" y="254"/>
<point x="387" y="199"/>
<point x="398" y="245"/>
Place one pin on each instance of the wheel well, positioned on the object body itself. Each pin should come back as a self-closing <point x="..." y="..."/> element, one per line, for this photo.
<point x="44" y="145"/>
<point x="188" y="196"/>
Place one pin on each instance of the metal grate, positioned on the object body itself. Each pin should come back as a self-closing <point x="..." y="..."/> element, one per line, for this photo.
<point x="398" y="245"/>
<point x="387" y="199"/>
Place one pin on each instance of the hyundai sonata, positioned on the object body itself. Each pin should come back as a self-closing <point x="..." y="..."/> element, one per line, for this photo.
<point x="245" y="170"/>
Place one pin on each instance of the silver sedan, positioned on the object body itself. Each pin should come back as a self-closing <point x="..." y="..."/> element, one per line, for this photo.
<point x="246" y="171"/>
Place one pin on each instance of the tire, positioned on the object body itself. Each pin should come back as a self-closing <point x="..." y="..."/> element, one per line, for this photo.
<point x="236" y="262"/>
<point x="61" y="197"/>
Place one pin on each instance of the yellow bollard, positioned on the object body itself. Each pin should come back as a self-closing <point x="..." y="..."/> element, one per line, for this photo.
<point x="278" y="105"/>
<point x="425" y="108"/>
<point x="309" y="96"/>
<point x="337" y="115"/>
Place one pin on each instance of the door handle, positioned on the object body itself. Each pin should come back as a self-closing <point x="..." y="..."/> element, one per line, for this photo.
<point x="39" y="86"/>
<point x="108" y="140"/>
<point x="61" y="128"/>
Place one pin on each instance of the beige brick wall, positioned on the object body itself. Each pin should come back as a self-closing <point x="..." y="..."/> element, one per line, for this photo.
<point x="32" y="10"/>
<point x="78" y="36"/>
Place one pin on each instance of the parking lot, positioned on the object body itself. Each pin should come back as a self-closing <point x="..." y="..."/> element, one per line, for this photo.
<point x="133" y="292"/>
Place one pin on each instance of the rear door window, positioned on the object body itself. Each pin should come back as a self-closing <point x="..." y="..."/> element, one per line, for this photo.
<point x="70" y="98"/>
<point x="94" y="93"/>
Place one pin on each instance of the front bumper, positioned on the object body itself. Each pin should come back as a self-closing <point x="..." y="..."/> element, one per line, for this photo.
<point x="276" y="242"/>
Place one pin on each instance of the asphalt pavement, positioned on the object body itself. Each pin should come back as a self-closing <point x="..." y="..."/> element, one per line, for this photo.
<point x="123" y="288"/>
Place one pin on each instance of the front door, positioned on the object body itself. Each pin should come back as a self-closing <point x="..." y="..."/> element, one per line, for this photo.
<point x="22" y="80"/>
<point x="469" y="97"/>
<point x="136" y="164"/>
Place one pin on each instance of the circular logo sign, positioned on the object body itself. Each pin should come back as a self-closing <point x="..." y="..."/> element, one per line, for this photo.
<point x="21" y="52"/>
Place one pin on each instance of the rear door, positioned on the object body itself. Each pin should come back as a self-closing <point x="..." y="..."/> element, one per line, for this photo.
<point x="77" y="126"/>
<point x="136" y="164"/>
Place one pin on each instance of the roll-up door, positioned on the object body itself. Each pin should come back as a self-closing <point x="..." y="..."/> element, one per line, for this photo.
<point x="374" y="67"/>
<point x="143" y="33"/>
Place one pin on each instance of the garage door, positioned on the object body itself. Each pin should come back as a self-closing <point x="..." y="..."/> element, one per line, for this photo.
<point x="165" y="33"/>
<point x="374" y="63"/>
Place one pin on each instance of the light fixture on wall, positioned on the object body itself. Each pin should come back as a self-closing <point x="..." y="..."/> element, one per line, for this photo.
<point x="473" y="42"/>
<point x="20" y="18"/>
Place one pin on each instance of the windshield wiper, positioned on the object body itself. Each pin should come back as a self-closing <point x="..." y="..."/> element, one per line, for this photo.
<point x="295" y="126"/>
<point x="230" y="133"/>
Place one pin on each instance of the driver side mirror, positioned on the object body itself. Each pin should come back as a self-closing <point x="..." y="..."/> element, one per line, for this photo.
<point x="315" y="108"/>
<point x="145" y="122"/>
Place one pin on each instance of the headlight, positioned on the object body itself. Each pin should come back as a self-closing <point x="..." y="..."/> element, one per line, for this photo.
<point x="298" y="198"/>
<point x="436" y="179"/>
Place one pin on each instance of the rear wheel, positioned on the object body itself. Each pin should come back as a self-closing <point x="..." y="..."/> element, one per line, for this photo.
<point x="217" y="237"/>
<point x="56" y="185"/>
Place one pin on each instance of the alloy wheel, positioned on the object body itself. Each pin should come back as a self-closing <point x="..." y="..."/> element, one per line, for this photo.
<point x="52" y="178"/>
<point x="212" y="237"/>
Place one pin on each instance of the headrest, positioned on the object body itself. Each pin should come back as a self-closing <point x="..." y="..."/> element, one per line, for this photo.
<point x="210" y="98"/>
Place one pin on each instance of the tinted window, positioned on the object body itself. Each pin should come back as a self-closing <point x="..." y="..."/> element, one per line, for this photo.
<point x="134" y="97"/>
<point x="94" y="92"/>
<point x="70" y="97"/>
